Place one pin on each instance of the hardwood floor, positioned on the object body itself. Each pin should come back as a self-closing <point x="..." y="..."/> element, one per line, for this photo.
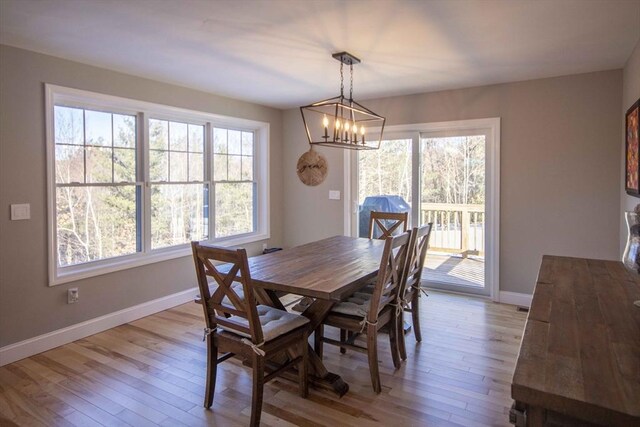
<point x="151" y="372"/>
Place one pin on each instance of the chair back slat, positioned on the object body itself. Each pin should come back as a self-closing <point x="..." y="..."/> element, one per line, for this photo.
<point x="387" y="223"/>
<point x="224" y="304"/>
<point x="416" y="255"/>
<point x="389" y="280"/>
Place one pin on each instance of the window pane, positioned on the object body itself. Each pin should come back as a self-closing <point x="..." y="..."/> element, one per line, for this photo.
<point x="219" y="168"/>
<point x="95" y="223"/>
<point x="158" y="165"/>
<point x="235" y="142"/>
<point x="196" y="136"/>
<point x="124" y="165"/>
<point x="220" y="141"/>
<point x="247" y="168"/>
<point x="69" y="164"/>
<point x="158" y="134"/>
<point x="177" y="166"/>
<point x="99" y="163"/>
<point x="177" y="214"/>
<point x="247" y="143"/>
<point x="124" y="131"/>
<point x="196" y="161"/>
<point x="233" y="209"/>
<point x="235" y="165"/>
<point x="98" y="128"/>
<point x="178" y="136"/>
<point x="68" y="125"/>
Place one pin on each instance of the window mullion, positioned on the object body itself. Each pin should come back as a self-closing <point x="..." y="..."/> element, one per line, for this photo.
<point x="208" y="177"/>
<point x="144" y="176"/>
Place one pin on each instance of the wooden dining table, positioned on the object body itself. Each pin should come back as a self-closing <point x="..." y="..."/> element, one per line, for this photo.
<point x="327" y="271"/>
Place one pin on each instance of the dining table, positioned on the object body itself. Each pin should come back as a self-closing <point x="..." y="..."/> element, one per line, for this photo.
<point x="326" y="271"/>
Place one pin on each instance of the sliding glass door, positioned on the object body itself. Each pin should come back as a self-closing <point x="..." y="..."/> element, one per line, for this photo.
<point x="439" y="176"/>
<point x="452" y="198"/>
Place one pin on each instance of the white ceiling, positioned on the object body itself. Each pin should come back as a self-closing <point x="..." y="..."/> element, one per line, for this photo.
<point x="278" y="52"/>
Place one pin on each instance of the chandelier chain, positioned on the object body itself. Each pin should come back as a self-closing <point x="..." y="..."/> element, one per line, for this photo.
<point x="351" y="88"/>
<point x="341" y="80"/>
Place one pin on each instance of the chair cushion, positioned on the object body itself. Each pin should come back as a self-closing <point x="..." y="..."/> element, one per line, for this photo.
<point x="356" y="305"/>
<point x="274" y="322"/>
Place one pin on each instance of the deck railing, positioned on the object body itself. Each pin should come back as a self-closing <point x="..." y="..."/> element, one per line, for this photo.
<point x="456" y="228"/>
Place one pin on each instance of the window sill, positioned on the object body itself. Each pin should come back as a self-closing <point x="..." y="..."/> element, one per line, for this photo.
<point x="99" y="268"/>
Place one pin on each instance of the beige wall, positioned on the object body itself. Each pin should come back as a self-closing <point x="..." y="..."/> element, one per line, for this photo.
<point x="28" y="307"/>
<point x="630" y="94"/>
<point x="560" y="167"/>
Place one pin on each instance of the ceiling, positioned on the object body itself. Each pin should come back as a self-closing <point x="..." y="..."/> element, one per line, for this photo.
<point x="278" y="52"/>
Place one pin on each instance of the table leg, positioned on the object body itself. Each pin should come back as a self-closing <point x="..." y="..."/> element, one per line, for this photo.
<point x="316" y="312"/>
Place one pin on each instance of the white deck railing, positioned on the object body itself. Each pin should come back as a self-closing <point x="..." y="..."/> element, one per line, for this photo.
<point x="456" y="228"/>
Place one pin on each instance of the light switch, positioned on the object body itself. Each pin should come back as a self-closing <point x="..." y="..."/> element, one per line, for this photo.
<point x="19" y="212"/>
<point x="334" y="195"/>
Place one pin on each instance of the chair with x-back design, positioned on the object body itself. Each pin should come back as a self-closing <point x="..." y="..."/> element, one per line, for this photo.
<point x="385" y="224"/>
<point x="237" y="326"/>
<point x="367" y="313"/>
<point x="411" y="288"/>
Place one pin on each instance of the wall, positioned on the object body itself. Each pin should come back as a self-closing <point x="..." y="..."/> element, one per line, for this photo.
<point x="630" y="94"/>
<point x="560" y="160"/>
<point x="28" y="307"/>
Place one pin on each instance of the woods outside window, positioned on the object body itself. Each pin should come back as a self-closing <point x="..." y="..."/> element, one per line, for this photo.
<point x="132" y="183"/>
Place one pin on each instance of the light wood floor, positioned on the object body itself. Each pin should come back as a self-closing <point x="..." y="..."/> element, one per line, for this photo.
<point x="151" y="372"/>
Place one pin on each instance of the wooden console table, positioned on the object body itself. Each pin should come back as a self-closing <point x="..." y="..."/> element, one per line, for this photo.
<point x="579" y="358"/>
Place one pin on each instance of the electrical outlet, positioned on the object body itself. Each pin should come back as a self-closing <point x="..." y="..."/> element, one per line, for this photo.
<point x="72" y="296"/>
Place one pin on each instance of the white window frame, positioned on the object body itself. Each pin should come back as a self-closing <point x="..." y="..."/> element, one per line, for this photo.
<point x="143" y="111"/>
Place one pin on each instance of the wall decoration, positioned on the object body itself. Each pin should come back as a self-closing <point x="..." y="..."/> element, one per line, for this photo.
<point x="312" y="168"/>
<point x="632" y="150"/>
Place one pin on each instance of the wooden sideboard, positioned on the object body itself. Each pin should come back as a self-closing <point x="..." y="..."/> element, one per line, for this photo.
<point x="579" y="358"/>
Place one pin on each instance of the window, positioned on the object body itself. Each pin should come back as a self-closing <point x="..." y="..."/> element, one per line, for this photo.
<point x="96" y="190"/>
<point x="178" y="191"/>
<point x="132" y="183"/>
<point x="233" y="181"/>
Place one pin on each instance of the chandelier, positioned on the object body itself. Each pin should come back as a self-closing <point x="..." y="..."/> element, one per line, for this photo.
<point x="340" y="121"/>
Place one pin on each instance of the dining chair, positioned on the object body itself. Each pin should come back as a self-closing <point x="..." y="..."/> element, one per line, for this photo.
<point x="365" y="313"/>
<point x="237" y="326"/>
<point x="387" y="223"/>
<point x="410" y="288"/>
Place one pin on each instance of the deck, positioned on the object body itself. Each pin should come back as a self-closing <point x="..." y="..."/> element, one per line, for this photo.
<point x="454" y="270"/>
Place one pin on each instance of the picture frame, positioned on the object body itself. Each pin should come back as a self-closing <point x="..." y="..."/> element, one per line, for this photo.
<point x="632" y="150"/>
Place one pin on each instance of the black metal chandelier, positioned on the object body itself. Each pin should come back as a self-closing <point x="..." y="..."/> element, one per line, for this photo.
<point x="340" y="121"/>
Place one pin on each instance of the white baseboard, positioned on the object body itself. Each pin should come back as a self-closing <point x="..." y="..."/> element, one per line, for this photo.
<point x="35" y="345"/>
<point x="515" y="298"/>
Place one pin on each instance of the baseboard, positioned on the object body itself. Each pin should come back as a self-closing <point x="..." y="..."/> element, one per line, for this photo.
<point x="35" y="345"/>
<point x="515" y="298"/>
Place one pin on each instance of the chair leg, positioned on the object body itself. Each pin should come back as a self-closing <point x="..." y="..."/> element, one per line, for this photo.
<point x="343" y="338"/>
<point x="317" y="340"/>
<point x="393" y="341"/>
<point x="372" y="350"/>
<point x="212" y="368"/>
<point x="258" y="388"/>
<point x="303" y="377"/>
<point x="415" y="314"/>
<point x="402" y="347"/>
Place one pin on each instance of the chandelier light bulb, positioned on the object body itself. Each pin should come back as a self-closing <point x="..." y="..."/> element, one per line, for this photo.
<point x="325" y="121"/>
<point x="338" y="124"/>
